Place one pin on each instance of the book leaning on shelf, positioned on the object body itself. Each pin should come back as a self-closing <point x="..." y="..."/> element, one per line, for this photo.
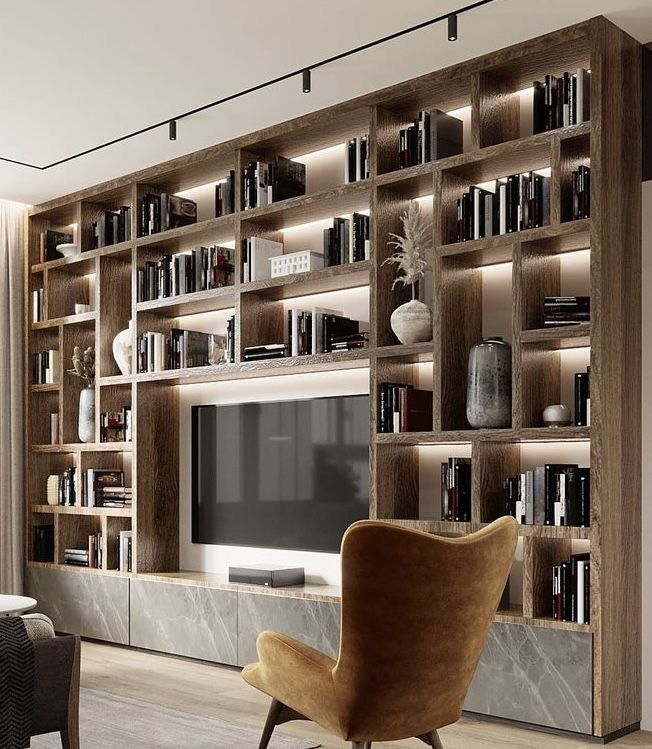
<point x="516" y="203"/>
<point x="403" y="408"/>
<point x="45" y="367"/>
<point x="181" y="349"/>
<point x="112" y="227"/>
<point x="456" y="490"/>
<point x="162" y="212"/>
<point x="561" y="101"/>
<point x="356" y="161"/>
<point x="264" y="183"/>
<point x="571" y="590"/>
<point x="225" y="196"/>
<point x="581" y="188"/>
<point x="38" y="302"/>
<point x="553" y="494"/>
<point x="433" y="135"/>
<point x="200" y="269"/>
<point x="347" y="241"/>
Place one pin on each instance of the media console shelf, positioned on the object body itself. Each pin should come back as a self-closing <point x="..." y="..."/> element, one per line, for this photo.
<point x="490" y="90"/>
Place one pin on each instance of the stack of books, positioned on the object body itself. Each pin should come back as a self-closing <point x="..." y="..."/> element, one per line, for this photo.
<point x="566" y="310"/>
<point x="45" y="367"/>
<point x="562" y="101"/>
<point x="48" y="242"/>
<point x="265" y="351"/>
<point x="434" y="135"/>
<point x="38" y="302"/>
<point x="115" y="426"/>
<point x="165" y="211"/>
<point x="105" y="487"/>
<point x="112" y="227"/>
<point x="516" y="203"/>
<point x="583" y="398"/>
<point x="456" y="490"/>
<point x="571" y="590"/>
<point x="264" y="183"/>
<point x="200" y="269"/>
<point x="115" y="496"/>
<point x="356" y="163"/>
<point x="181" y="349"/>
<point x="77" y="557"/>
<point x="225" y="196"/>
<point x="402" y="408"/>
<point x="256" y="255"/>
<point x="553" y="494"/>
<point x="319" y="331"/>
<point x="347" y="241"/>
<point x="581" y="184"/>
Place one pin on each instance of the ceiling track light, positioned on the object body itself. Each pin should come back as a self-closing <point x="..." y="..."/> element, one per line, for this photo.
<point x="305" y="73"/>
<point x="452" y="27"/>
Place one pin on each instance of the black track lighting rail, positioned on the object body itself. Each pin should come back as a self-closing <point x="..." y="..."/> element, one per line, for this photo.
<point x="305" y="73"/>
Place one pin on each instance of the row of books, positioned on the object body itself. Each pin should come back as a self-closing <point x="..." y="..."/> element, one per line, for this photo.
<point x="38" y="305"/>
<point x="347" y="241"/>
<point x="48" y="242"/>
<point x="180" y="349"/>
<point x="456" y="490"/>
<point x="162" y="212"/>
<point x="581" y="187"/>
<point x="116" y="426"/>
<point x="45" y="367"/>
<point x="582" y="393"/>
<point x="225" y="196"/>
<point x="43" y="543"/>
<point x="94" y="487"/>
<point x="264" y="183"/>
<point x="403" y="408"/>
<point x="356" y="162"/>
<point x="256" y="256"/>
<point x="561" y="101"/>
<point x="319" y="331"/>
<point x="200" y="269"/>
<point x="433" y="135"/>
<point x="516" y="203"/>
<point x="91" y="556"/>
<point x="571" y="590"/>
<point x="112" y="227"/>
<point x="566" y="310"/>
<point x="553" y="494"/>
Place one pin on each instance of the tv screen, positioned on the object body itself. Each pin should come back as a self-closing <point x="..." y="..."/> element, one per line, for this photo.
<point x="285" y="474"/>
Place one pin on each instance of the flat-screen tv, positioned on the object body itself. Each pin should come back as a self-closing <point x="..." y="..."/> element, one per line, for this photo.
<point x="288" y="474"/>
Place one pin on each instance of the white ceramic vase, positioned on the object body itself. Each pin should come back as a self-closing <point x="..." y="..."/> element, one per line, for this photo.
<point x="412" y="322"/>
<point x="86" y="424"/>
<point x="122" y="350"/>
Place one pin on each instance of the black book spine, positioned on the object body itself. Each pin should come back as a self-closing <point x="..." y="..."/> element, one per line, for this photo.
<point x="538" y="108"/>
<point x="581" y="397"/>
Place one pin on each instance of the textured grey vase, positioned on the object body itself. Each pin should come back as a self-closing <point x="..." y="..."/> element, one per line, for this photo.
<point x="489" y="390"/>
<point x="86" y="425"/>
<point x="122" y="350"/>
<point x="412" y="322"/>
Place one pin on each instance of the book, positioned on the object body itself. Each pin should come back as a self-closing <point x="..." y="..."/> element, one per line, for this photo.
<point x="582" y="398"/>
<point x="415" y="410"/>
<point x="225" y="195"/>
<point x="43" y="543"/>
<point x="456" y="490"/>
<point x="267" y="182"/>
<point x="433" y="135"/>
<point x="561" y="101"/>
<point x="356" y="159"/>
<point x="125" y="550"/>
<point x="256" y="253"/>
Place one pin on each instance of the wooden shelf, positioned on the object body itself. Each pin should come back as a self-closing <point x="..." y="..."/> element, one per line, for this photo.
<point x="84" y="447"/>
<point x="118" y="512"/>
<point x="191" y="304"/>
<point x="79" y="319"/>
<point x="513" y="617"/>
<point x="48" y="388"/>
<point x="571" y="336"/>
<point x="214" y="230"/>
<point x="417" y="352"/>
<point x="85" y="258"/>
<point x="77" y="569"/>
<point x="530" y="434"/>
<point x="333" y="278"/>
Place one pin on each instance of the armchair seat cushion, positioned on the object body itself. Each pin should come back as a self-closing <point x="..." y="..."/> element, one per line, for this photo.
<point x="38" y="627"/>
<point x="298" y="676"/>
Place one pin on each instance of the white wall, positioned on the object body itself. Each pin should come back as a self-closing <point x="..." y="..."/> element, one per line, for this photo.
<point x="646" y="414"/>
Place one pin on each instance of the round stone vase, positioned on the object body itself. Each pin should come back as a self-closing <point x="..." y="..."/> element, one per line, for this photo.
<point x="122" y="345"/>
<point x="86" y="423"/>
<point x="412" y="322"/>
<point x="489" y="388"/>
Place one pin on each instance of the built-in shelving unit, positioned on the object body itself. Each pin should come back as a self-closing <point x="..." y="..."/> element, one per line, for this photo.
<point x="490" y="89"/>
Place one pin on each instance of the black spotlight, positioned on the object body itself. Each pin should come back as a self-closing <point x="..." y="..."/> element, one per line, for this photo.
<point x="306" y="81"/>
<point x="173" y="130"/>
<point x="452" y="27"/>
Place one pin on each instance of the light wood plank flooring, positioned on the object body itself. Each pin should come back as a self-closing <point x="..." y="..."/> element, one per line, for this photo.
<point x="208" y="690"/>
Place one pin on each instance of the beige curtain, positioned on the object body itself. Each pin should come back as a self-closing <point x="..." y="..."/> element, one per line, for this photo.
<point x="12" y="217"/>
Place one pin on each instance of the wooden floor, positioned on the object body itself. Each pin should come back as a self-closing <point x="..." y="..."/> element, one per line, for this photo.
<point x="204" y="689"/>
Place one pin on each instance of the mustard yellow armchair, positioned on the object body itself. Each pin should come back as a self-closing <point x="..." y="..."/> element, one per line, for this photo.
<point x="416" y="612"/>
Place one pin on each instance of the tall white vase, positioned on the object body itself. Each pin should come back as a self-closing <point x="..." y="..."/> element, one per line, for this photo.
<point x="86" y="423"/>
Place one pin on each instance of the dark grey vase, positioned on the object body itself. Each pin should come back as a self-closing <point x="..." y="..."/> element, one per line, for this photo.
<point x="489" y="389"/>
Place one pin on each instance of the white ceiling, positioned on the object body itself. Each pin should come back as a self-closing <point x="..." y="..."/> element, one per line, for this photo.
<point x="80" y="72"/>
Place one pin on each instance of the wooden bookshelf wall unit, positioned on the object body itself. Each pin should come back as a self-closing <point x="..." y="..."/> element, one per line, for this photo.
<point x="489" y="87"/>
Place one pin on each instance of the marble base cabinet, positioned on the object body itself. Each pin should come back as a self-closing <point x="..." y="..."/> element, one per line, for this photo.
<point x="528" y="674"/>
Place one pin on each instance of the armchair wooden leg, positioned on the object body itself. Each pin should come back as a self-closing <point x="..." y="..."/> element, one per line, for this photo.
<point x="432" y="739"/>
<point x="278" y="713"/>
<point x="70" y="736"/>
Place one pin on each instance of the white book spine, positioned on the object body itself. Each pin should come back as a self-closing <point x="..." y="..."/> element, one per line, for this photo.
<point x="295" y="332"/>
<point x="502" y="190"/>
<point x="476" y="213"/>
<point x="579" y="573"/>
<point x="557" y="513"/>
<point x="562" y="500"/>
<point x="579" y="96"/>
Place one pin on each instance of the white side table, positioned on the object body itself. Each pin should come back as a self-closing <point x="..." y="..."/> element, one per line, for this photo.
<point x="15" y="605"/>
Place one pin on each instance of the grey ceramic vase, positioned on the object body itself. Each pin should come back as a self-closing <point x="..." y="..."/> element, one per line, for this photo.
<point x="412" y="322"/>
<point x="489" y="389"/>
<point x="86" y="425"/>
